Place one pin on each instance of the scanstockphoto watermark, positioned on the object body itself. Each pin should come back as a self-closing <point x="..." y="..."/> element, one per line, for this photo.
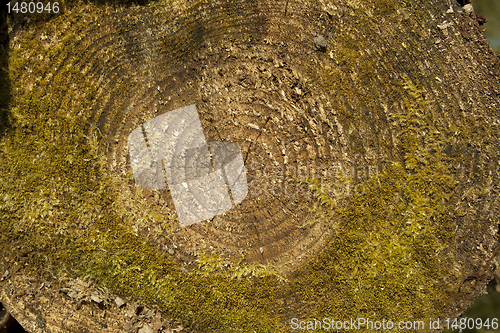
<point x="361" y="324"/>
<point x="400" y="325"/>
<point x="309" y="179"/>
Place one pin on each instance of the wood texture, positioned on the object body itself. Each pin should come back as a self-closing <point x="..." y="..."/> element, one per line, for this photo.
<point x="404" y="98"/>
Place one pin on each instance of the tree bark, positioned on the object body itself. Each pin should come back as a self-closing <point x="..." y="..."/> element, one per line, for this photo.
<point x="369" y="131"/>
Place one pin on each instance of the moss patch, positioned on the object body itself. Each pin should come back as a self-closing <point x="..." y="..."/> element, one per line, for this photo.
<point x="390" y="259"/>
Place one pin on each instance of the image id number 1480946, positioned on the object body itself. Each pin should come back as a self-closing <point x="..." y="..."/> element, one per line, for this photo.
<point x="33" y="7"/>
<point x="471" y="323"/>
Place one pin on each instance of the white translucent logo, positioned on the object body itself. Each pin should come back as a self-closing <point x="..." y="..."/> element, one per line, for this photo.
<point x="171" y="149"/>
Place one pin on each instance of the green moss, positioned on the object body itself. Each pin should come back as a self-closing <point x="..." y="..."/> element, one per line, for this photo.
<point x="347" y="54"/>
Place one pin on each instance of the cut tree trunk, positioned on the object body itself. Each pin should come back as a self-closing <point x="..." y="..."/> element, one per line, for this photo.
<point x="370" y="136"/>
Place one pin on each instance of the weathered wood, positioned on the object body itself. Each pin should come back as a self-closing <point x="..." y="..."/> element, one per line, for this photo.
<point x="403" y="99"/>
